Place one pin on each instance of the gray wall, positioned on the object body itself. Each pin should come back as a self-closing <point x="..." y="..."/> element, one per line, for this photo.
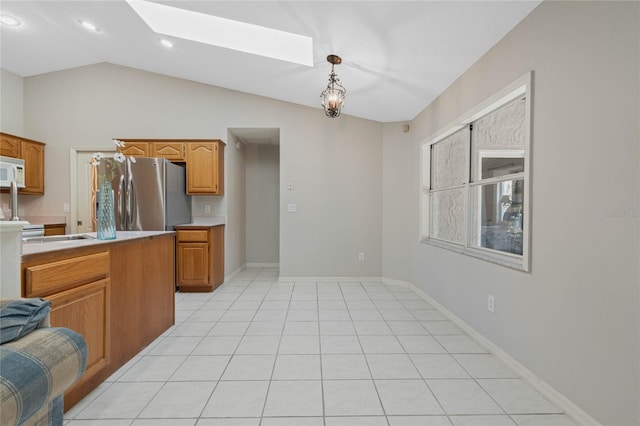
<point x="262" y="170"/>
<point x="11" y="103"/>
<point x="235" y="187"/>
<point x="574" y="319"/>
<point x="336" y="164"/>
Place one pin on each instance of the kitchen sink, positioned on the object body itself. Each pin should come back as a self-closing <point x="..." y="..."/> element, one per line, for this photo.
<point x="57" y="238"/>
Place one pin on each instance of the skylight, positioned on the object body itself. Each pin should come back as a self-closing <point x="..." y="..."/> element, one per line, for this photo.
<point x="226" y="33"/>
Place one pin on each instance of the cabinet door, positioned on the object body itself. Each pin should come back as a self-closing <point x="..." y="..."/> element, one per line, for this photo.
<point x="85" y="310"/>
<point x="203" y="168"/>
<point x="173" y="151"/>
<point x="193" y="264"/>
<point x="135" y="149"/>
<point x="9" y="146"/>
<point x="33" y="155"/>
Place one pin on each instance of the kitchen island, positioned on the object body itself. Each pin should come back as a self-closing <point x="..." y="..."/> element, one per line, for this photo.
<point x="119" y="294"/>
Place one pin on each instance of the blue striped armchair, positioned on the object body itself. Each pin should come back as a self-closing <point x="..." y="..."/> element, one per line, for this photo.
<point x="37" y="363"/>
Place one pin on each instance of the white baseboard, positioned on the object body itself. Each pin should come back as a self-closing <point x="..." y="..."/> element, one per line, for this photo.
<point x="331" y="279"/>
<point x="261" y="265"/>
<point x="571" y="409"/>
<point x="234" y="273"/>
<point x="249" y="265"/>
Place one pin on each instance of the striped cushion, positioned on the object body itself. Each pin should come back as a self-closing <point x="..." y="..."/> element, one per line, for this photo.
<point x="36" y="369"/>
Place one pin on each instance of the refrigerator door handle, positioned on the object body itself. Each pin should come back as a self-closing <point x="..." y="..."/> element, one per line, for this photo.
<point x="121" y="203"/>
<point x="131" y="205"/>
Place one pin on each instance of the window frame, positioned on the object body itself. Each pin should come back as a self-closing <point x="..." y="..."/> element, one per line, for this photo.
<point x="520" y="88"/>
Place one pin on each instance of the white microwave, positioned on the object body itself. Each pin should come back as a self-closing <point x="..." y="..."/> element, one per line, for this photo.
<point x="11" y="169"/>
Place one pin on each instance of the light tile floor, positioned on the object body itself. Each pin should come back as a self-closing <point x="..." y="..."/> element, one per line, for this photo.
<point x="260" y="352"/>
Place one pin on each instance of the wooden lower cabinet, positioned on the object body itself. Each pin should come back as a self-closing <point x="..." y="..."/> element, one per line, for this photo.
<point x="193" y="259"/>
<point x="142" y="293"/>
<point x="85" y="309"/>
<point x="119" y="297"/>
<point x="55" y="229"/>
<point x="78" y="286"/>
<point x="200" y="258"/>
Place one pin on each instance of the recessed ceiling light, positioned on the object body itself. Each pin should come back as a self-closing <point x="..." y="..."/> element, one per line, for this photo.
<point x="89" y="26"/>
<point x="10" y="21"/>
<point x="166" y="43"/>
<point x="225" y="33"/>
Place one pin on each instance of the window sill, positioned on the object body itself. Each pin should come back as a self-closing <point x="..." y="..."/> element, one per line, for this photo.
<point x="503" y="259"/>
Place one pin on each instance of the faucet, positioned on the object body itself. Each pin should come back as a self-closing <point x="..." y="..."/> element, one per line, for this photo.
<point x="13" y="189"/>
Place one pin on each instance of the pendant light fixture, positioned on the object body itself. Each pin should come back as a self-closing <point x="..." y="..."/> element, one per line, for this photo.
<point x="333" y="95"/>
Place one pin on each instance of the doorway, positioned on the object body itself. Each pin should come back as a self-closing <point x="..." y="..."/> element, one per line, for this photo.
<point x="82" y="197"/>
<point x="261" y="152"/>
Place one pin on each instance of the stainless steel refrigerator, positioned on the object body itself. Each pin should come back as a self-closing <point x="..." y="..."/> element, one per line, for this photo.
<point x="150" y="195"/>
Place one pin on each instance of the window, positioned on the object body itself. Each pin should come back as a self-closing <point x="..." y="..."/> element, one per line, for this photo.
<point x="475" y="180"/>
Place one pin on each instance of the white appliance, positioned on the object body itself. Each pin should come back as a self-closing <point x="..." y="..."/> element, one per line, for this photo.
<point x="11" y="249"/>
<point x="11" y="169"/>
<point x="32" y="230"/>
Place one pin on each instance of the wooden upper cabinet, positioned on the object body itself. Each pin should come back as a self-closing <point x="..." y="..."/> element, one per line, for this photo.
<point x="32" y="152"/>
<point x="9" y="146"/>
<point x="204" y="160"/>
<point x="205" y="168"/>
<point x="173" y="151"/>
<point x="135" y="149"/>
<point x="33" y="155"/>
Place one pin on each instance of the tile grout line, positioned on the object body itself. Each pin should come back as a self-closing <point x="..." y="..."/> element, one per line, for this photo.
<point x="275" y="358"/>
<point x="260" y="283"/>
<point x="375" y="386"/>
<point x="230" y="357"/>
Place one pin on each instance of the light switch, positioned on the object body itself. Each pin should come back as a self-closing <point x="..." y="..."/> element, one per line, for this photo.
<point x="292" y="208"/>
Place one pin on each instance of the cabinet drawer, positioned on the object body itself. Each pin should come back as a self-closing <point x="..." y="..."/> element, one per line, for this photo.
<point x="45" y="279"/>
<point x="196" y="235"/>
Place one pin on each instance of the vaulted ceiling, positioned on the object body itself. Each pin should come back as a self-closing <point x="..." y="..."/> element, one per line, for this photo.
<point x="398" y="56"/>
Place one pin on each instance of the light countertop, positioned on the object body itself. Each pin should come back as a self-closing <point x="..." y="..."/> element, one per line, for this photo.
<point x="205" y="221"/>
<point x="37" y="248"/>
<point x="45" y="220"/>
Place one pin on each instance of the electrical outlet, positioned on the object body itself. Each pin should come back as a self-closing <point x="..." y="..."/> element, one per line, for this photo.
<point x="207" y="208"/>
<point x="491" y="303"/>
<point x="361" y="257"/>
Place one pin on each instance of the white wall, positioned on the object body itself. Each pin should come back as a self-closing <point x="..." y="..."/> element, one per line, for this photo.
<point x="262" y="171"/>
<point x="11" y="103"/>
<point x="574" y="319"/>
<point x="336" y="164"/>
